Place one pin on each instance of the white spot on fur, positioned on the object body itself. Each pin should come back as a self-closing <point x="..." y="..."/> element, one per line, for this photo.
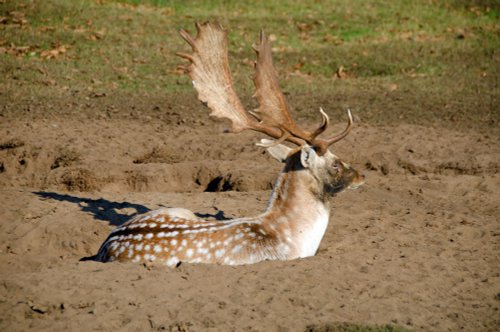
<point x="149" y="236"/>
<point x="219" y="253"/>
<point x="236" y="249"/>
<point x="172" y="261"/>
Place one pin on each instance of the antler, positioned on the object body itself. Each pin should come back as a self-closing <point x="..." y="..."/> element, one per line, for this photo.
<point x="211" y="77"/>
<point x="273" y="109"/>
<point x="209" y="70"/>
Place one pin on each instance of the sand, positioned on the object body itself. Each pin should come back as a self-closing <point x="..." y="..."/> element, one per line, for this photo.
<point x="417" y="246"/>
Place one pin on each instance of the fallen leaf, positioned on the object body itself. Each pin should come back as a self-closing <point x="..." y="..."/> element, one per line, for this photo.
<point x="341" y="72"/>
<point x="54" y="53"/>
<point x="392" y="87"/>
<point x="304" y="27"/>
<point x="97" y="94"/>
<point x="46" y="28"/>
<point x="49" y="82"/>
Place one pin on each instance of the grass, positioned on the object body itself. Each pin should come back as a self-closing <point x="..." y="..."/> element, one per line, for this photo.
<point x="348" y="327"/>
<point x="56" y="46"/>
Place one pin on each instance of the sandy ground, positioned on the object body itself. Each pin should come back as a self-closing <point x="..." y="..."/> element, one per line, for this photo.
<point x="417" y="246"/>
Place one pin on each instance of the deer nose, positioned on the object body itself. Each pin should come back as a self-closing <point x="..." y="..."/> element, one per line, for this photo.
<point x="358" y="180"/>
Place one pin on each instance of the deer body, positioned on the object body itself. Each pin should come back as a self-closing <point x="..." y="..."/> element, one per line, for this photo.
<point x="291" y="227"/>
<point x="298" y="211"/>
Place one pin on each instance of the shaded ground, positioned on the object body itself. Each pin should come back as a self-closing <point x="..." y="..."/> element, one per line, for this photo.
<point x="416" y="247"/>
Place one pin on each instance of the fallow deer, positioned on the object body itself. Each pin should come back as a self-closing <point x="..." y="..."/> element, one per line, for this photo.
<point x="298" y="211"/>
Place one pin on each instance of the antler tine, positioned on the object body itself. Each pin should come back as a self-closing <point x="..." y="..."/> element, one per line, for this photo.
<point x="325" y="122"/>
<point x="185" y="56"/>
<point x="344" y="133"/>
<point x="187" y="37"/>
<point x="323" y="144"/>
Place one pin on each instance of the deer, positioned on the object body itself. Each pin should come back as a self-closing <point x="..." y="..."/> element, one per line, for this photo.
<point x="298" y="211"/>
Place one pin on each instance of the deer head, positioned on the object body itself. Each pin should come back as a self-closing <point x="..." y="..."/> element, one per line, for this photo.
<point x="209" y="71"/>
<point x="327" y="174"/>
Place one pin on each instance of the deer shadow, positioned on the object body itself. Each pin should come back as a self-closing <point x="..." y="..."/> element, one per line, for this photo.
<point x="220" y="215"/>
<point x="105" y="210"/>
<point x="100" y="208"/>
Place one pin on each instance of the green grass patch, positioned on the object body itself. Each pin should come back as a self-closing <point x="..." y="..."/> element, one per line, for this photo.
<point x="56" y="46"/>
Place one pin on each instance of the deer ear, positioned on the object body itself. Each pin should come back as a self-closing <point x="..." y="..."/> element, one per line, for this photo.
<point x="279" y="151"/>
<point x="308" y="156"/>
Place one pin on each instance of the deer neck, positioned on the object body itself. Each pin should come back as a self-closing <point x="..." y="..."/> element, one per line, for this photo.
<point x="298" y="211"/>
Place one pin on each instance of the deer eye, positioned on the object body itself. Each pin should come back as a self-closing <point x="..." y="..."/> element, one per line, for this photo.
<point x="336" y="165"/>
